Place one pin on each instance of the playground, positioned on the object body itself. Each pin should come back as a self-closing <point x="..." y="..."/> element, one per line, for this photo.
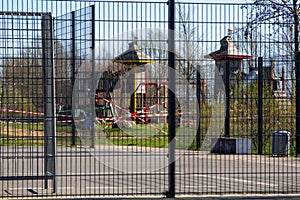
<point x="113" y="98"/>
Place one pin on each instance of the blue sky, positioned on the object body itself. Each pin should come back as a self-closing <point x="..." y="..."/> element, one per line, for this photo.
<point x="57" y="7"/>
<point x="113" y="18"/>
<point x="219" y="17"/>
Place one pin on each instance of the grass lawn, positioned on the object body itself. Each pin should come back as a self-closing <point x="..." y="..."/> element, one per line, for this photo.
<point x="154" y="135"/>
<point x="29" y="134"/>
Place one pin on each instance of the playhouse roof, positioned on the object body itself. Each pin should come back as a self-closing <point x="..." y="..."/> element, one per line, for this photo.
<point x="133" y="55"/>
<point x="228" y="51"/>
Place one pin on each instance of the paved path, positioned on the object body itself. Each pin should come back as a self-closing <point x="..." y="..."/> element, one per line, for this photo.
<point x="135" y="171"/>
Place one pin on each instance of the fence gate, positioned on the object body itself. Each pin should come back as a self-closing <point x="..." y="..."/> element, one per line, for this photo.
<point x="27" y="126"/>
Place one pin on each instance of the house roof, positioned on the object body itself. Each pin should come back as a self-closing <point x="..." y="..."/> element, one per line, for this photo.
<point x="133" y="55"/>
<point x="228" y="51"/>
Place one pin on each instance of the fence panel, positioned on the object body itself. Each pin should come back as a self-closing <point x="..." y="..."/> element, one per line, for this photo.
<point x="235" y="99"/>
<point x="256" y="64"/>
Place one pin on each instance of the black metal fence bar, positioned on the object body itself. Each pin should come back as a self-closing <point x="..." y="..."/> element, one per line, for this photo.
<point x="151" y="98"/>
<point x="49" y="100"/>
<point x="171" y="99"/>
<point x="297" y="104"/>
<point x="260" y="106"/>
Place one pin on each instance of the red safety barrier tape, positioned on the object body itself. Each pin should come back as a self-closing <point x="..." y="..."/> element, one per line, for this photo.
<point x="29" y="112"/>
<point x="21" y="111"/>
<point x="130" y="115"/>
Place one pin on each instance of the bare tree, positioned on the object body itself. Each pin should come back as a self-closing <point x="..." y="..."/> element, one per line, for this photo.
<point x="22" y="78"/>
<point x="283" y="13"/>
<point x="189" y="33"/>
<point x="277" y="23"/>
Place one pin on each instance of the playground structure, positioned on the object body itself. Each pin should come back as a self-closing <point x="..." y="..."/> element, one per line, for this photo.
<point x="229" y="62"/>
<point x="144" y="100"/>
<point x="139" y="98"/>
<point x="125" y="92"/>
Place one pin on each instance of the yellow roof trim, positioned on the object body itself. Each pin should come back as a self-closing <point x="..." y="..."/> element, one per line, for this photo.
<point x="134" y="61"/>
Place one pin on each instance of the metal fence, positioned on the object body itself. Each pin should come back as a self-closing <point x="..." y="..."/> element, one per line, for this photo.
<point x="113" y="98"/>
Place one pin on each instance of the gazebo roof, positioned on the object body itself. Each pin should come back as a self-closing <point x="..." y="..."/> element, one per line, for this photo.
<point x="228" y="51"/>
<point x="133" y="55"/>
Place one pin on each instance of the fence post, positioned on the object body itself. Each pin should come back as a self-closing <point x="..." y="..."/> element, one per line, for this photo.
<point x="73" y="58"/>
<point x="171" y="99"/>
<point x="198" y="88"/>
<point x="297" y="71"/>
<point x="259" y="105"/>
<point x="93" y="89"/>
<point x="227" y="91"/>
<point x="49" y="100"/>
